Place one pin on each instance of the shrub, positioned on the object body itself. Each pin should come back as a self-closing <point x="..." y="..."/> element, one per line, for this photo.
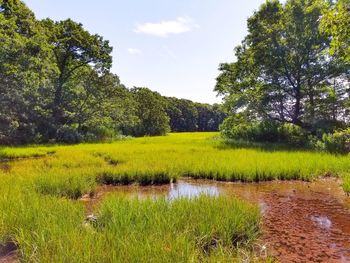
<point x="100" y="134"/>
<point x="265" y="131"/>
<point x="292" y="134"/>
<point x="337" y="142"/>
<point x="68" y="134"/>
<point x="237" y="128"/>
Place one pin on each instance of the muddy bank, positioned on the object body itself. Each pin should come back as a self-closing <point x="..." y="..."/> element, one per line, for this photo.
<point x="309" y="224"/>
<point x="302" y="222"/>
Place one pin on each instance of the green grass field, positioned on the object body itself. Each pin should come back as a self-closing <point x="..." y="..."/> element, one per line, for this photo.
<point x="40" y="213"/>
<point x="74" y="170"/>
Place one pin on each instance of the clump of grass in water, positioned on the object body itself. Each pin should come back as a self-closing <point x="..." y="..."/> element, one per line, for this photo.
<point x="181" y="230"/>
<point x="70" y="185"/>
<point x="346" y="183"/>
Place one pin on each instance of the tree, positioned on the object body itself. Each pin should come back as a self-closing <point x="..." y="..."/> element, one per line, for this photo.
<point x="55" y="81"/>
<point x="183" y="115"/>
<point x="153" y="119"/>
<point x="336" y="23"/>
<point x="25" y="65"/>
<point x="283" y="69"/>
<point x="209" y="117"/>
<point x="81" y="59"/>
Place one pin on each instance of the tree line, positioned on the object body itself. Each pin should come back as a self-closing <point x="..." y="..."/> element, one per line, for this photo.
<point x="56" y="86"/>
<point x="290" y="81"/>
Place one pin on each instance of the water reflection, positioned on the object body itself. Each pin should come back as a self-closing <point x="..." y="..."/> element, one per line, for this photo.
<point x="188" y="190"/>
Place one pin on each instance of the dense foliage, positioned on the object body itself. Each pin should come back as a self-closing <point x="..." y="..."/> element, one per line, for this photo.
<point x="186" y="115"/>
<point x="56" y="85"/>
<point x="289" y="71"/>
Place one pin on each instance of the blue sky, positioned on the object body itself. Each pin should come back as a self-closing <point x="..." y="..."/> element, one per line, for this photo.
<point x="171" y="46"/>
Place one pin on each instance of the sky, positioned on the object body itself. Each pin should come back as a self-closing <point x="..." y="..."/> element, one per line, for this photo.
<point x="170" y="46"/>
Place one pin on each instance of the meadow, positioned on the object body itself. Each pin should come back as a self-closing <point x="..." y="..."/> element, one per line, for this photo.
<point x="41" y="213"/>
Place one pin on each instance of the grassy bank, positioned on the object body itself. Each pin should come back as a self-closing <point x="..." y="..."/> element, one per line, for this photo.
<point x="74" y="170"/>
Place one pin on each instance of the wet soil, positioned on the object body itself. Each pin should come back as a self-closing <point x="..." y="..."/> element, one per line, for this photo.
<point x="302" y="221"/>
<point x="8" y="253"/>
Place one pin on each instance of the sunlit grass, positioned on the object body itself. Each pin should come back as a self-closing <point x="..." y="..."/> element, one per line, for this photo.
<point x="9" y="153"/>
<point x="50" y="229"/>
<point x="38" y="210"/>
<point x="75" y="170"/>
<point x="346" y="183"/>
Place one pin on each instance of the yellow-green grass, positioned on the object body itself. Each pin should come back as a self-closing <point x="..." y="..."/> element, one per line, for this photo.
<point x="51" y="229"/>
<point x="38" y="211"/>
<point x="346" y="183"/>
<point x="75" y="170"/>
<point x="10" y="153"/>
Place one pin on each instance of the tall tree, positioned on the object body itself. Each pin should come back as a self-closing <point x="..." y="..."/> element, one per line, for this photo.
<point x="81" y="59"/>
<point x="183" y="115"/>
<point x="282" y="66"/>
<point x="25" y="65"/>
<point x="153" y="119"/>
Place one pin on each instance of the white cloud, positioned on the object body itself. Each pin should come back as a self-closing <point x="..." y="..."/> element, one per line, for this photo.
<point x="164" y="28"/>
<point x="134" y="51"/>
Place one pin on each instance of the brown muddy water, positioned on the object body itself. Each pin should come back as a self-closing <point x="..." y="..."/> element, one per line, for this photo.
<point x="302" y="221"/>
<point x="8" y="253"/>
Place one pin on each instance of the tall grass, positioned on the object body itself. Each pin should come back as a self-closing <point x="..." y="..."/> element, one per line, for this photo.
<point x="10" y="153"/>
<point x="72" y="170"/>
<point x="50" y="229"/>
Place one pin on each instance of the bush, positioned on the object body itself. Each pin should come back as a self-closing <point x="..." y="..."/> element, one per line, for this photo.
<point x="100" y="134"/>
<point x="266" y="131"/>
<point x="68" y="134"/>
<point x="237" y="128"/>
<point x="337" y="142"/>
<point x="292" y="134"/>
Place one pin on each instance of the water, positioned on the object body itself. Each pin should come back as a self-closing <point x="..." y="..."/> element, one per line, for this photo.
<point x="190" y="190"/>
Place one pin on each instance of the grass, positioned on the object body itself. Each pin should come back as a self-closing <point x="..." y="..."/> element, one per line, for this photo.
<point x="50" y="229"/>
<point x="346" y="183"/>
<point x="11" y="153"/>
<point x="40" y="213"/>
<point x="75" y="170"/>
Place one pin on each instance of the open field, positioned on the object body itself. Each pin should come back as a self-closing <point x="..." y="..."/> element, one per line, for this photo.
<point x="40" y="213"/>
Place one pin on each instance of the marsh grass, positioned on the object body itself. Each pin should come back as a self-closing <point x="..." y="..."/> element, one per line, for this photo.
<point x="38" y="210"/>
<point x="75" y="170"/>
<point x="50" y="229"/>
<point x="12" y="153"/>
<point x="346" y="183"/>
<point x="181" y="230"/>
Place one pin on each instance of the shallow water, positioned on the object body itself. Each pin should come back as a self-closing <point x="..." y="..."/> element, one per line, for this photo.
<point x="8" y="253"/>
<point x="302" y="222"/>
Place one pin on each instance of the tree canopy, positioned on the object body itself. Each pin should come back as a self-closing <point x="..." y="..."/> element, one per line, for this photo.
<point x="285" y="71"/>
<point x="56" y="86"/>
